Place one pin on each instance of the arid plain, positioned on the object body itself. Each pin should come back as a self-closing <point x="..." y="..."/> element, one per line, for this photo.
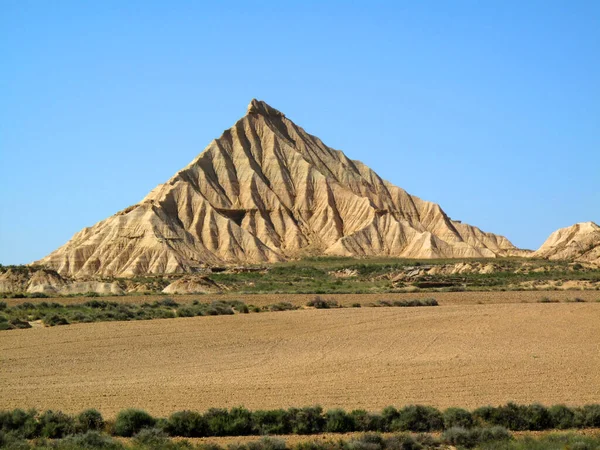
<point x="451" y="355"/>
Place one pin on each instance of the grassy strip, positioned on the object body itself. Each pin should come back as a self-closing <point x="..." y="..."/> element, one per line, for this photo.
<point x="53" y="314"/>
<point x="301" y="421"/>
<point x="494" y="438"/>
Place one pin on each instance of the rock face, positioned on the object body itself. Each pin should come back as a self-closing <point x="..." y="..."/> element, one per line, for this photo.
<point x="267" y="191"/>
<point x="579" y="242"/>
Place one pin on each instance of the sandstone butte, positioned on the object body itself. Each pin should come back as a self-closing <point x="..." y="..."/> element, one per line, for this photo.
<point x="579" y="242"/>
<point x="267" y="191"/>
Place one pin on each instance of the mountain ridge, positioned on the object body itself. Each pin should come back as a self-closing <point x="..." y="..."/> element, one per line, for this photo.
<point x="267" y="191"/>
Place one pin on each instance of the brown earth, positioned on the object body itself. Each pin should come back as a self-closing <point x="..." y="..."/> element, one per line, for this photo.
<point x="351" y="358"/>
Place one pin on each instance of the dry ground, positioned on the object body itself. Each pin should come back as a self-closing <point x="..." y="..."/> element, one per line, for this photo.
<point x="445" y="298"/>
<point x="352" y="358"/>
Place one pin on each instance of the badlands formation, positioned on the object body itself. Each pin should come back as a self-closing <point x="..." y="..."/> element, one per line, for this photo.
<point x="579" y="242"/>
<point x="267" y="191"/>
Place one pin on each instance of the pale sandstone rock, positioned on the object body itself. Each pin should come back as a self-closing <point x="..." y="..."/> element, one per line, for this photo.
<point x="267" y="191"/>
<point x="579" y="242"/>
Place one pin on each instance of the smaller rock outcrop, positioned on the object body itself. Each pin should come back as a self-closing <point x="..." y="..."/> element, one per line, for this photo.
<point x="579" y="242"/>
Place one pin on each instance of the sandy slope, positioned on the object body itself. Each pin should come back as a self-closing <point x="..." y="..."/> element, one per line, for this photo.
<point x="367" y="358"/>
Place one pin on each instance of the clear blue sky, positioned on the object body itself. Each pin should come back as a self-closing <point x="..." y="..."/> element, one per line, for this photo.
<point x="489" y="108"/>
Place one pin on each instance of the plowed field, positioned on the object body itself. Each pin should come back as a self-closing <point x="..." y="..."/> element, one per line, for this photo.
<point x="465" y="355"/>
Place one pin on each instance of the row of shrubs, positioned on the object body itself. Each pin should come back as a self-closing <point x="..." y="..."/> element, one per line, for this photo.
<point x="309" y="420"/>
<point x="155" y="439"/>
<point x="54" y="314"/>
<point x="321" y="303"/>
<point x="483" y="438"/>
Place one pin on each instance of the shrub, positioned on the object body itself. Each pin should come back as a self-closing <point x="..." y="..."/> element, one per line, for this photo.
<point x="307" y="420"/>
<point x="220" y="422"/>
<point x="271" y="422"/>
<point x="186" y="311"/>
<point x="90" y="440"/>
<point x="418" y="418"/>
<point x="404" y="442"/>
<point x="282" y="306"/>
<point x="267" y="443"/>
<point x="54" y="425"/>
<point x="3" y="306"/>
<point x="338" y="421"/>
<point x="152" y="438"/>
<point x="367" y="441"/>
<point x="461" y="437"/>
<point x="55" y="320"/>
<point x="216" y="421"/>
<point x="187" y="424"/>
<point x="89" y="420"/>
<point x="18" y="324"/>
<point x="538" y="418"/>
<point x="510" y="416"/>
<point x="356" y="305"/>
<point x="240" y="422"/>
<point x="131" y="421"/>
<point x="364" y="421"/>
<point x="321" y="303"/>
<point x="591" y="416"/>
<point x="19" y="422"/>
<point x="562" y="417"/>
<point x="389" y="415"/>
<point x="457" y="417"/>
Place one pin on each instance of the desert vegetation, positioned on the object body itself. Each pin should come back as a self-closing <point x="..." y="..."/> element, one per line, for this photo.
<point x="240" y="421"/>
<point x="390" y="429"/>
<point x="331" y="275"/>
<point x="53" y="314"/>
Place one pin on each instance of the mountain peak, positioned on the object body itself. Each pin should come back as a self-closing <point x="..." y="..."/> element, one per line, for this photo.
<point x="268" y="192"/>
<point x="260" y="107"/>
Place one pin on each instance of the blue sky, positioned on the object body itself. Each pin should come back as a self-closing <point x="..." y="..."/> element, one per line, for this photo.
<point x="489" y="108"/>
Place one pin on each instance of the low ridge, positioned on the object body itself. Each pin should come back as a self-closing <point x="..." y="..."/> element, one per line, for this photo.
<point x="267" y="191"/>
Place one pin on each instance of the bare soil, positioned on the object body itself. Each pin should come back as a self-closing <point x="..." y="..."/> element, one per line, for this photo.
<point x="463" y="355"/>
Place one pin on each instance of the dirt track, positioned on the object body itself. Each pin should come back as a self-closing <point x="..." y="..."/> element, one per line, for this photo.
<point x="352" y="358"/>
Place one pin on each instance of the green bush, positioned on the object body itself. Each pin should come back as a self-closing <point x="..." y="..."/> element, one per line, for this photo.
<point x="321" y="303"/>
<point x="308" y="420"/>
<point x="590" y="415"/>
<point x="338" y="421"/>
<point x="457" y="417"/>
<point x="271" y="422"/>
<point x="364" y="421"/>
<point x="132" y="421"/>
<point x="470" y="438"/>
<point x="418" y="418"/>
<point x="151" y="438"/>
<point x="55" y="320"/>
<point x="90" y="440"/>
<point x="186" y="424"/>
<point x="562" y="417"/>
<point x="267" y="443"/>
<point x="236" y="422"/>
<point x="20" y="423"/>
<point x="89" y="420"/>
<point x="55" y="425"/>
